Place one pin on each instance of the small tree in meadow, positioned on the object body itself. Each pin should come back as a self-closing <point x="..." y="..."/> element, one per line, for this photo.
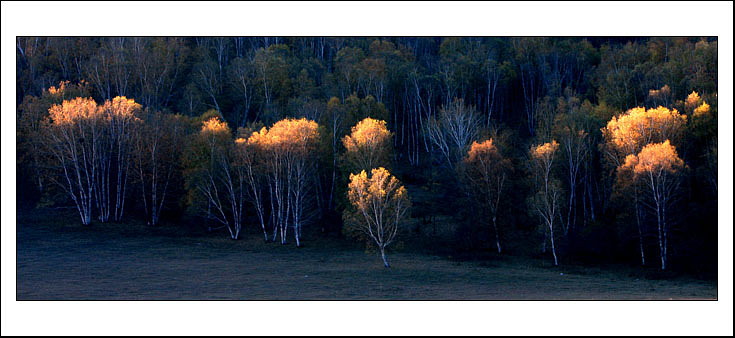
<point x="380" y="202"/>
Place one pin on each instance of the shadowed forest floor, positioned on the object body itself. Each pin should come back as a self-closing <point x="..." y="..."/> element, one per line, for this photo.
<point x="58" y="261"/>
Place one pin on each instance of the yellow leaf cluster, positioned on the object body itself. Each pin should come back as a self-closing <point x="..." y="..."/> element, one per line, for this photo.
<point x="545" y="151"/>
<point x="640" y="126"/>
<point x="702" y="110"/>
<point x="121" y="107"/>
<point x="295" y="131"/>
<point x="287" y="134"/>
<point x="653" y="158"/>
<point x="74" y="110"/>
<point x="380" y="188"/>
<point x="692" y="101"/>
<point x="71" y="111"/>
<point x="57" y="91"/>
<point x="366" y="133"/>
<point x="214" y="126"/>
<point x="485" y="149"/>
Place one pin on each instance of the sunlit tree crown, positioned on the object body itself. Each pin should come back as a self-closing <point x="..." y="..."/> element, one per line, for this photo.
<point x="692" y="101"/>
<point x="367" y="133"/>
<point x="287" y="134"/>
<point x="639" y="126"/>
<point x="380" y="186"/>
<point x="482" y="150"/>
<point x="121" y="107"/>
<point x="71" y="111"/>
<point x="655" y="158"/>
<point x="702" y="110"/>
<point x="545" y="151"/>
<point x="214" y="126"/>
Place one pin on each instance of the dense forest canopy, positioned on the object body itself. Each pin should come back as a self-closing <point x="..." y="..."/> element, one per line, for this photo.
<point x="600" y="149"/>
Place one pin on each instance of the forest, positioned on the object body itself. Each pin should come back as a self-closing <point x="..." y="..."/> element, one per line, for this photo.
<point x="574" y="150"/>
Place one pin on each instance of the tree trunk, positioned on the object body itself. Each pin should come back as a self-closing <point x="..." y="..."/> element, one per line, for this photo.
<point x="640" y="228"/>
<point x="661" y="245"/>
<point x="553" y="248"/>
<point x="385" y="259"/>
<point x="497" y="236"/>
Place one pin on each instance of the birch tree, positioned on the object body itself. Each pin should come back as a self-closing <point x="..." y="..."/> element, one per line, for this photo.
<point x="453" y="131"/>
<point x="213" y="173"/>
<point x="74" y="129"/>
<point x="289" y="157"/>
<point x="658" y="167"/>
<point x="487" y="171"/>
<point x="31" y="125"/>
<point x="571" y="128"/>
<point x="250" y="156"/>
<point x="119" y="117"/>
<point x="545" y="201"/>
<point x="627" y="134"/>
<point x="381" y="202"/>
<point x="157" y="159"/>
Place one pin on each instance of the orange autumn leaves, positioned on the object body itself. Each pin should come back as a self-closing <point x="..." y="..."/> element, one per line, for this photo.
<point x="368" y="133"/>
<point x="545" y="152"/>
<point x="380" y="188"/>
<point x="485" y="165"/>
<point x="696" y="105"/>
<point x="643" y="137"/>
<point x="71" y="111"/>
<point x="368" y="145"/>
<point x="379" y="200"/>
<point x="482" y="150"/>
<point x="279" y="159"/>
<point x="367" y="150"/>
<point x="77" y="109"/>
<point x="654" y="159"/>
<point x="214" y="126"/>
<point x="121" y="107"/>
<point x="287" y="135"/>
<point x="382" y="202"/>
<point x="629" y="132"/>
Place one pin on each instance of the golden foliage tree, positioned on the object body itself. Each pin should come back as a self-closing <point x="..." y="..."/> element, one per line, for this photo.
<point x="627" y="134"/>
<point x="92" y="143"/>
<point x="74" y="129"/>
<point x="251" y="158"/>
<point x="487" y="170"/>
<point x="31" y="114"/>
<point x="288" y="147"/>
<point x="382" y="202"/>
<point x="368" y="145"/>
<point x="693" y="101"/>
<point x="657" y="167"/>
<point x="702" y="109"/>
<point x="120" y="117"/>
<point x="548" y="190"/>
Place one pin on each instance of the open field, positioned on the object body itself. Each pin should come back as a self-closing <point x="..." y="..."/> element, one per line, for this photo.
<point x="133" y="262"/>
